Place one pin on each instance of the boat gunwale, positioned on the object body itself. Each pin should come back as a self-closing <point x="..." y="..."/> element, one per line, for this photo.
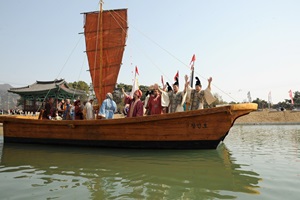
<point x="150" y="118"/>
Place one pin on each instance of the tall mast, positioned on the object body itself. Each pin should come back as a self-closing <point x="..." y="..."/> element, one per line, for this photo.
<point x="101" y="51"/>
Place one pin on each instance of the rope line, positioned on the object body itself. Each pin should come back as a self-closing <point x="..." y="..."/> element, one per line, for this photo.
<point x="172" y="55"/>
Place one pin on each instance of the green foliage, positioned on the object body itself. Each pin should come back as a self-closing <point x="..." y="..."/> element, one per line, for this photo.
<point x="80" y="85"/>
<point x="119" y="98"/>
<point x="287" y="103"/>
<point x="128" y="88"/>
<point x="296" y="99"/>
<point x="262" y="104"/>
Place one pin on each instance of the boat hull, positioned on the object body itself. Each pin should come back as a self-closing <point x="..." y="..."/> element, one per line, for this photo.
<point x="200" y="129"/>
<point x="198" y="144"/>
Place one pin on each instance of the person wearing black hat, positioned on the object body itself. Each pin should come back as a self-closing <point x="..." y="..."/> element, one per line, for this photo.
<point x="174" y="99"/>
<point x="197" y="98"/>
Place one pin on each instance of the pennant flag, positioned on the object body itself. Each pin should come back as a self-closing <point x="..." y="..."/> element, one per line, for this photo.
<point x="162" y="80"/>
<point x="291" y="96"/>
<point x="136" y="70"/>
<point x="176" y="76"/>
<point x="193" y="59"/>
<point x="270" y="98"/>
<point x="249" y="97"/>
<point x="193" y="62"/>
<point x="135" y="86"/>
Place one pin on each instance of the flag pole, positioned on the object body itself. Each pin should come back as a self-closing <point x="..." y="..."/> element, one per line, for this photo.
<point x="192" y="76"/>
<point x="192" y="68"/>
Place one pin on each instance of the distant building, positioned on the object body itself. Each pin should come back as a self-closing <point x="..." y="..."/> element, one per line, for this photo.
<point x="36" y="94"/>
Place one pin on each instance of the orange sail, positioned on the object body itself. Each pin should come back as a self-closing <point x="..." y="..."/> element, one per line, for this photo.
<point x="105" y="36"/>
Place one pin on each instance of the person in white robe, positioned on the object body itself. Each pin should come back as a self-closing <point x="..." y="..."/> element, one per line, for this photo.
<point x="88" y="109"/>
<point x="197" y="98"/>
<point x="174" y="99"/>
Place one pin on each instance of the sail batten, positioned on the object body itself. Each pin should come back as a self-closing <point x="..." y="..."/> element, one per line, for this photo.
<point x="115" y="47"/>
<point x="105" y="44"/>
<point x="103" y="30"/>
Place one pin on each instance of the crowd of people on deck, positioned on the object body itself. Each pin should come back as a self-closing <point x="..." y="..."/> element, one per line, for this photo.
<point x="65" y="110"/>
<point x="157" y="101"/>
<point x="168" y="99"/>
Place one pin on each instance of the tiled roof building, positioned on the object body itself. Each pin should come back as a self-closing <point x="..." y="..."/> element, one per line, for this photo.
<point x="34" y="95"/>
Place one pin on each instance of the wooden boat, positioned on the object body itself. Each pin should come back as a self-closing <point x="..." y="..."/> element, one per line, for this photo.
<point x="105" y="34"/>
<point x="199" y="129"/>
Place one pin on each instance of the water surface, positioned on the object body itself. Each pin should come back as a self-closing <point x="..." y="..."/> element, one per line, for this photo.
<point x="254" y="162"/>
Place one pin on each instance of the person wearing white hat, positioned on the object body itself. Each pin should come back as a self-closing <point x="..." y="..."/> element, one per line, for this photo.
<point x="88" y="109"/>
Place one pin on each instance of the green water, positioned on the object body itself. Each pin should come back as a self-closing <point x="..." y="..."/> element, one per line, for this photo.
<point x="255" y="162"/>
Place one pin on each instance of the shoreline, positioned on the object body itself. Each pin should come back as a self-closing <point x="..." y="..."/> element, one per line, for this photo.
<point x="264" y="123"/>
<point x="267" y="117"/>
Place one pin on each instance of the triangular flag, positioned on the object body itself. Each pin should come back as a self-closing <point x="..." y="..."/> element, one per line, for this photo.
<point x="176" y="76"/>
<point x="193" y="59"/>
<point x="193" y="62"/>
<point x="270" y="98"/>
<point x="291" y="96"/>
<point x="136" y="70"/>
<point x="135" y="86"/>
<point x="249" y="97"/>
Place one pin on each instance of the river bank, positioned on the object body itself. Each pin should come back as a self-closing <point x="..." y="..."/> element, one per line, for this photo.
<point x="270" y="117"/>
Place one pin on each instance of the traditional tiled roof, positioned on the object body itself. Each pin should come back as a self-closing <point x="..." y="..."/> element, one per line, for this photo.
<point x="44" y="86"/>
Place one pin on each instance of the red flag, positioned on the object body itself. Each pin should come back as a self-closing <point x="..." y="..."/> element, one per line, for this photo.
<point x="291" y="96"/>
<point x="162" y="80"/>
<point x="136" y="70"/>
<point x="176" y="76"/>
<point x="193" y="62"/>
<point x="193" y="59"/>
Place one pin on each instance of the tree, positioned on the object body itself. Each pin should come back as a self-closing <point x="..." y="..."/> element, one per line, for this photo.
<point x="262" y="104"/>
<point x="296" y="99"/>
<point x="80" y="85"/>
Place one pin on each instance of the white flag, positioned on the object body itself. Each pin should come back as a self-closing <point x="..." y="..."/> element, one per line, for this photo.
<point x="135" y="86"/>
<point x="270" y="98"/>
<point x="249" y="97"/>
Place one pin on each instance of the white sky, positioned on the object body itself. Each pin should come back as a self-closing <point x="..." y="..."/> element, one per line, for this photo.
<point x="244" y="45"/>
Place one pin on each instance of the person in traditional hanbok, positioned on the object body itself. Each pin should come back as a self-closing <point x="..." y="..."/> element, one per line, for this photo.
<point x="154" y="104"/>
<point x="78" y="110"/>
<point x="197" y="98"/>
<point x="108" y="107"/>
<point x="48" y="112"/>
<point x="67" y="112"/>
<point x="174" y="99"/>
<point x="136" y="106"/>
<point x="88" y="109"/>
<point x="148" y="97"/>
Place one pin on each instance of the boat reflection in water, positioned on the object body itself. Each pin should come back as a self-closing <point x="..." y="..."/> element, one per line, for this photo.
<point x="58" y="172"/>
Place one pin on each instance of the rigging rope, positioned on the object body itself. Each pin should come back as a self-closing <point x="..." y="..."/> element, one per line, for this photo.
<point x="64" y="65"/>
<point x="173" y="56"/>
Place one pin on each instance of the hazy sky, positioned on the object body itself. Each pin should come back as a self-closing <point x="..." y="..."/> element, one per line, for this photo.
<point x="245" y="45"/>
